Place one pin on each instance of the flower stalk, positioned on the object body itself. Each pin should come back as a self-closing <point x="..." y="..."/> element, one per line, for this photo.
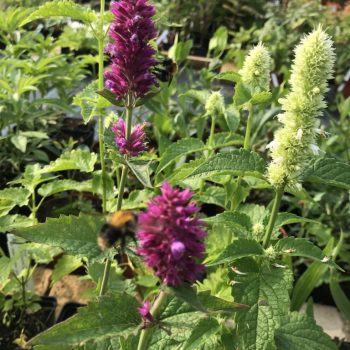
<point x="274" y="212"/>
<point x="100" y="39"/>
<point x="146" y="333"/>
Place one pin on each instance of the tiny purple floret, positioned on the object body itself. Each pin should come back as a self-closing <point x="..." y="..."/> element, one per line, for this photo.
<point x="144" y="311"/>
<point x="136" y="143"/>
<point x="171" y="236"/>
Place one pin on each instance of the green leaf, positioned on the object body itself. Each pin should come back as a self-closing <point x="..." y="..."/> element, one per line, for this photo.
<point x="78" y="159"/>
<point x="87" y="101"/>
<point x="219" y="41"/>
<point x="64" y="8"/>
<point x="289" y="218"/>
<point x="309" y="279"/>
<point x="266" y="290"/>
<point x="232" y="117"/>
<point x="230" y="76"/>
<point x="328" y="171"/>
<point x="213" y="195"/>
<point x="75" y="235"/>
<point x="57" y="186"/>
<point x="240" y="248"/>
<point x="261" y="98"/>
<point x="242" y="95"/>
<point x="341" y="300"/>
<point x="178" y="149"/>
<point x="20" y="142"/>
<point x="299" y="331"/>
<point x="11" y="197"/>
<point x="64" y="267"/>
<point x="225" y="139"/>
<point x="238" y="162"/>
<point x="239" y="223"/>
<point x="110" y="97"/>
<point x="142" y="170"/>
<point x="203" y="335"/>
<point x="199" y="95"/>
<point x="9" y="223"/>
<point x="110" y="316"/>
<point x="302" y="247"/>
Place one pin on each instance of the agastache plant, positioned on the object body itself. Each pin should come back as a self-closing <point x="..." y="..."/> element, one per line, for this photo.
<point x="295" y="142"/>
<point x="129" y="78"/>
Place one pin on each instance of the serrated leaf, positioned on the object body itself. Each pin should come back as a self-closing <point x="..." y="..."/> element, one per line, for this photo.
<point x="78" y="159"/>
<point x="232" y="117"/>
<point x="11" y="197"/>
<point x="58" y="186"/>
<point x="180" y="148"/>
<point x="87" y="101"/>
<point x="299" y="331"/>
<point x="199" y="95"/>
<point x="328" y="171"/>
<point x="142" y="170"/>
<point x="185" y="170"/>
<point x="203" y="335"/>
<point x="65" y="265"/>
<point x="225" y="139"/>
<point x="213" y="195"/>
<point x="240" y="248"/>
<point x="242" y="95"/>
<point x="110" y="97"/>
<point x="289" y="218"/>
<point x="309" y="279"/>
<point x="110" y="316"/>
<point x="266" y="290"/>
<point x="239" y="223"/>
<point x="261" y="97"/>
<point x="76" y="235"/>
<point x="230" y="76"/>
<point x="9" y="223"/>
<point x="64" y="8"/>
<point x="238" y="162"/>
<point x="302" y="247"/>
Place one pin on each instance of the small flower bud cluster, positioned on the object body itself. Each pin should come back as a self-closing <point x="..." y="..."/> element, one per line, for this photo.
<point x="295" y="141"/>
<point x="215" y="104"/>
<point x="256" y="69"/>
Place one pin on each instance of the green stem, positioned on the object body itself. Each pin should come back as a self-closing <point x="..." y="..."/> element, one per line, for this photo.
<point x="273" y="216"/>
<point x="100" y="39"/>
<point x="246" y="145"/>
<point x="121" y="189"/>
<point x="248" y="128"/>
<point x="212" y="132"/>
<point x="155" y="311"/>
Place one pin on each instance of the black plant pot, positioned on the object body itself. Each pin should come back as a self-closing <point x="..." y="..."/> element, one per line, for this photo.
<point x="68" y="310"/>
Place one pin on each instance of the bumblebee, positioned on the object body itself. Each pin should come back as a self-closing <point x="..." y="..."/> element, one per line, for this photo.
<point x="120" y="226"/>
<point x="165" y="70"/>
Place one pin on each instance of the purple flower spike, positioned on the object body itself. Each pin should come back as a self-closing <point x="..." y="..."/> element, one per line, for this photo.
<point x="135" y="144"/>
<point x="131" y="54"/>
<point x="144" y="311"/>
<point x="170" y="238"/>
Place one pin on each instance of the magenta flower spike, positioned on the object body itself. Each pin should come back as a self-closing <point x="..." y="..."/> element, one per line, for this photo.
<point x="136" y="143"/>
<point x="130" y="51"/>
<point x="171" y="237"/>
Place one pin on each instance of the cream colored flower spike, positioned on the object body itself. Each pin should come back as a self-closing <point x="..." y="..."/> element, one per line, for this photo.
<point x="295" y="141"/>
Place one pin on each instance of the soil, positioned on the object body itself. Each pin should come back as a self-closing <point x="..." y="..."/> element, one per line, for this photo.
<point x="31" y="325"/>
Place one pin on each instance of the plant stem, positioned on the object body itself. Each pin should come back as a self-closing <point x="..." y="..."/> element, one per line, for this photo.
<point x="211" y="135"/>
<point x="121" y="188"/>
<point x="100" y="114"/>
<point x="155" y="310"/>
<point x="246" y="145"/>
<point x="273" y="216"/>
<point x="248" y="128"/>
